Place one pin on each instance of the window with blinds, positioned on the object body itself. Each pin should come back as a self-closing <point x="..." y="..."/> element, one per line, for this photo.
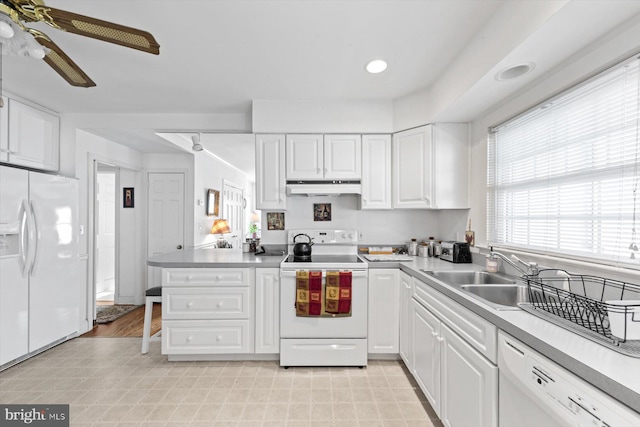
<point x="563" y="177"/>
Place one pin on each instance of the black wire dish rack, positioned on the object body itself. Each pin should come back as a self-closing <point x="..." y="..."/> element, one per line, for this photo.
<point x="607" y="309"/>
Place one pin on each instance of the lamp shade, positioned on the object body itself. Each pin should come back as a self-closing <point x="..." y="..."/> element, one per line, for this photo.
<point x="220" y="226"/>
<point x="255" y="217"/>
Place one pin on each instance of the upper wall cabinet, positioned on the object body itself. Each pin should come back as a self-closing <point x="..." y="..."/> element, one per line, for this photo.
<point x="33" y="137"/>
<point x="4" y="131"/>
<point x="430" y="167"/>
<point x="270" y="172"/>
<point x="316" y="157"/>
<point x="376" y="172"/>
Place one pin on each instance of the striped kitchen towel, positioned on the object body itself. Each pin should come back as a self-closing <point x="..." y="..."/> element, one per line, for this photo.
<point x="338" y="292"/>
<point x="308" y="293"/>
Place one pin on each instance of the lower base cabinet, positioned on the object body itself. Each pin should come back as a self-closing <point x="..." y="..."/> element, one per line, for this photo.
<point x="384" y="307"/>
<point x="267" y="310"/>
<point x="406" y="321"/>
<point x="460" y="383"/>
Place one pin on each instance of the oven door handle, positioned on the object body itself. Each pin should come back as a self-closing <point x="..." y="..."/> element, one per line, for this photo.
<point x="354" y="273"/>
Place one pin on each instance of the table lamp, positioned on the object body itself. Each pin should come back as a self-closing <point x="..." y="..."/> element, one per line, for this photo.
<point x="220" y="227"/>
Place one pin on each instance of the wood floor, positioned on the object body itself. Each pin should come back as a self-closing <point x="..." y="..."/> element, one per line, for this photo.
<point x="129" y="325"/>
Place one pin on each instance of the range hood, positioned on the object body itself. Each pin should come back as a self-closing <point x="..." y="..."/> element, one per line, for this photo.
<point x="323" y="188"/>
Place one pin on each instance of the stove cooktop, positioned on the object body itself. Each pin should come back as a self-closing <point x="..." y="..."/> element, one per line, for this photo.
<point x="325" y="259"/>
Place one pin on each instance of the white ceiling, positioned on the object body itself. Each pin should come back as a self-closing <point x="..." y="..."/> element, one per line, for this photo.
<point x="216" y="56"/>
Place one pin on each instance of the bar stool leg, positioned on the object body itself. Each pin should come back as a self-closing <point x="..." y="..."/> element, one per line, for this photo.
<point x="146" y="333"/>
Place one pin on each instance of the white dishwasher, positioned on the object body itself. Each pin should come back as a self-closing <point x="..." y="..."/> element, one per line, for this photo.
<point x="535" y="391"/>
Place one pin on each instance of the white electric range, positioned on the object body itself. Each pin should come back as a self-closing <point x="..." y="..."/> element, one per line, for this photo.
<point x="325" y="340"/>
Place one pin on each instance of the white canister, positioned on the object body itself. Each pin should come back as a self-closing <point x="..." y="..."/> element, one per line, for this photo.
<point x="245" y="246"/>
<point x="413" y="247"/>
<point x="423" y="250"/>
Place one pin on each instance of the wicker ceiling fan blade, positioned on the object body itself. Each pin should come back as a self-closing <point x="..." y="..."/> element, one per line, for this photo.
<point x="61" y="63"/>
<point x="97" y="29"/>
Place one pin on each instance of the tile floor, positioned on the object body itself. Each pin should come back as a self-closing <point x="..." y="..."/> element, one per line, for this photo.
<point x="108" y="382"/>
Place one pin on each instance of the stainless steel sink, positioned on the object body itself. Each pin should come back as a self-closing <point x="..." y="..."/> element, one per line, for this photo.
<point x="504" y="296"/>
<point x="459" y="278"/>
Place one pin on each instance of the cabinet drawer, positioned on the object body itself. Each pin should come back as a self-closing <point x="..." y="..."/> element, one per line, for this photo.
<point x="206" y="336"/>
<point x="206" y="303"/>
<point x="206" y="276"/>
<point x="478" y="332"/>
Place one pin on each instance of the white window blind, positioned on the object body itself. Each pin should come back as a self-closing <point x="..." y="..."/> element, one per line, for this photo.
<point x="563" y="177"/>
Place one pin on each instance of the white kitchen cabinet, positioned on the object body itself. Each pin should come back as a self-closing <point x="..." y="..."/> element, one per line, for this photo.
<point x="267" y="327"/>
<point x="430" y="167"/>
<point x="460" y="383"/>
<point x="271" y="181"/>
<point x="4" y="130"/>
<point x="412" y="168"/>
<point x="34" y="137"/>
<point x="315" y="157"/>
<point x="406" y="321"/>
<point x="376" y="172"/>
<point x="384" y="311"/>
<point x="207" y="311"/>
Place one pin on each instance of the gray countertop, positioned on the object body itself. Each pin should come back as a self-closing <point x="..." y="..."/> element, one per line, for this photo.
<point x="614" y="373"/>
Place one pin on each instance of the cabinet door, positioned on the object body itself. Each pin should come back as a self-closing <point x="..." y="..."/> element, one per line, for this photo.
<point x="469" y="392"/>
<point x="33" y="137"/>
<point x="406" y="316"/>
<point x="267" y="310"/>
<point x="4" y="130"/>
<point x="376" y="172"/>
<point x="384" y="309"/>
<point x="14" y="311"/>
<point x="426" y="353"/>
<point x="270" y="172"/>
<point x="412" y="168"/>
<point x="343" y="157"/>
<point x="305" y="157"/>
<point x="451" y="166"/>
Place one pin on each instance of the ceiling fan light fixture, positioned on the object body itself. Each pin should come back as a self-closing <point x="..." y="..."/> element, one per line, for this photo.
<point x="196" y="143"/>
<point x="6" y="31"/>
<point x="36" y="52"/>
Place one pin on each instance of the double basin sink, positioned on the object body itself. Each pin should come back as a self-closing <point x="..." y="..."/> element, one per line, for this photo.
<point x="499" y="291"/>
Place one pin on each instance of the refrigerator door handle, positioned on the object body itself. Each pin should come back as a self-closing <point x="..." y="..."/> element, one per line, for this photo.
<point x="23" y="232"/>
<point x="33" y="238"/>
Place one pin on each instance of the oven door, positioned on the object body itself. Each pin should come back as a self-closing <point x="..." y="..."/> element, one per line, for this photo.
<point x="354" y="326"/>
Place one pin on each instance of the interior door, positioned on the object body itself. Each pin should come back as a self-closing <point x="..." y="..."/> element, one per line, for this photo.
<point x="233" y="210"/>
<point x="166" y="218"/>
<point x="105" y="236"/>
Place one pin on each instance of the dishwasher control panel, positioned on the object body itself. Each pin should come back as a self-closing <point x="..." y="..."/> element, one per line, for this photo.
<point x="551" y="386"/>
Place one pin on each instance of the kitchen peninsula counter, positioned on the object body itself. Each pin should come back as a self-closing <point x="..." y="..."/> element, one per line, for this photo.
<point x="213" y="258"/>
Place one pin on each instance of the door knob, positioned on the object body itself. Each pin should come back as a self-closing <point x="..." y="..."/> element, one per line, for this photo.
<point x="179" y="246"/>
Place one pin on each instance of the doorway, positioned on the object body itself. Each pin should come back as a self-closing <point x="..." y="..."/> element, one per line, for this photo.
<point x="106" y="182"/>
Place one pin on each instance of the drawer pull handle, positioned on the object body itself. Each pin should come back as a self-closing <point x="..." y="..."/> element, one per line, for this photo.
<point x="220" y="304"/>
<point x="189" y="338"/>
<point x="440" y="339"/>
<point x="434" y="334"/>
<point x="219" y="338"/>
<point x="189" y="304"/>
<point x="189" y="278"/>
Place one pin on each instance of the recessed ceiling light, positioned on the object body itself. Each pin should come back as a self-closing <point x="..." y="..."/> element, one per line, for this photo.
<point x="376" y="66"/>
<point x="515" y="71"/>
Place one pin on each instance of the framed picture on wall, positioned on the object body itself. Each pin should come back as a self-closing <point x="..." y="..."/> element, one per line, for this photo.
<point x="322" y="211"/>
<point x="213" y="202"/>
<point x="127" y="197"/>
<point x="275" y="220"/>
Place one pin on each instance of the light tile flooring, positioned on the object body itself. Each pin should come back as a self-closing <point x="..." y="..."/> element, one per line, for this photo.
<point x="108" y="382"/>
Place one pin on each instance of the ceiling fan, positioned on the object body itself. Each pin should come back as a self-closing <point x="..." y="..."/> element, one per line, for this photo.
<point x="28" y="11"/>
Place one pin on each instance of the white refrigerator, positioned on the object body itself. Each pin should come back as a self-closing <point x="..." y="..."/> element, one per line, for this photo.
<point x="40" y="270"/>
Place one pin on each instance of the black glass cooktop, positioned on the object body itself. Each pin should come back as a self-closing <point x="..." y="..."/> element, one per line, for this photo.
<point x="326" y="259"/>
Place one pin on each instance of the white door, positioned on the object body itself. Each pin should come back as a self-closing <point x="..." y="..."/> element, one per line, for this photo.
<point x="406" y="316"/>
<point x="233" y="205"/>
<point x="14" y="286"/>
<point x="469" y="389"/>
<point x="267" y="310"/>
<point x="343" y="157"/>
<point x="166" y="218"/>
<point x="412" y="168"/>
<point x="55" y="284"/>
<point x="426" y="354"/>
<point x="105" y="235"/>
<point x="376" y="172"/>
<point x="305" y="157"/>
<point x="384" y="307"/>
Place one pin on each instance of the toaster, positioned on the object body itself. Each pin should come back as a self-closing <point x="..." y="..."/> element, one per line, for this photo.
<point x="457" y="252"/>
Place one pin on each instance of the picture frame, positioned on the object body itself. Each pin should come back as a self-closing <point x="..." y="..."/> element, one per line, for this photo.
<point x="128" y="200"/>
<point x="275" y="220"/>
<point x="213" y="202"/>
<point x="322" y="211"/>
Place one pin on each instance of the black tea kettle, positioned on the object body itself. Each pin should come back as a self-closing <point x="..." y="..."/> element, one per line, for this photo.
<point x="302" y="249"/>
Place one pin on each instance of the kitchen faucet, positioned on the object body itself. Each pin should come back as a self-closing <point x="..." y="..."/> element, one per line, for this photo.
<point x="532" y="267"/>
